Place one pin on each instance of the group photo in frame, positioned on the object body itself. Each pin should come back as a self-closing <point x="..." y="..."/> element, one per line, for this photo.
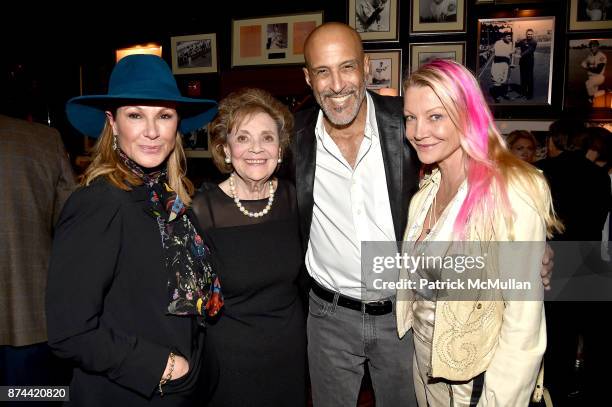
<point x="585" y="15"/>
<point x="589" y="76"/>
<point x="385" y="69"/>
<point x="374" y="20"/>
<point x="437" y="16"/>
<point x="193" y="54"/>
<point x="422" y="53"/>
<point x="272" y="40"/>
<point x="515" y="60"/>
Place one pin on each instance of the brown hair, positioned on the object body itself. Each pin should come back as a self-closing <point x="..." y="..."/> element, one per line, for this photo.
<point x="106" y="163"/>
<point x="238" y="106"/>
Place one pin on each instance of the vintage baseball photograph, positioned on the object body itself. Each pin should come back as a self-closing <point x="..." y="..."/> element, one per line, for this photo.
<point x="437" y="11"/>
<point x="589" y="78"/>
<point x="380" y="73"/>
<point x="515" y="58"/>
<point x="372" y="15"/>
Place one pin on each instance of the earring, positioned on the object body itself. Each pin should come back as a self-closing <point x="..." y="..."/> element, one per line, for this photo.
<point x="280" y="160"/>
<point x="115" y="145"/>
<point x="228" y="160"/>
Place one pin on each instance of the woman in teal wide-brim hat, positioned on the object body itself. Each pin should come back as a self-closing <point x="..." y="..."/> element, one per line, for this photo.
<point x="127" y="310"/>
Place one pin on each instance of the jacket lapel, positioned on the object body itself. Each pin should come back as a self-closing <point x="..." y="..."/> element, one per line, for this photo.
<point x="400" y="161"/>
<point x="305" y="150"/>
<point x="391" y="132"/>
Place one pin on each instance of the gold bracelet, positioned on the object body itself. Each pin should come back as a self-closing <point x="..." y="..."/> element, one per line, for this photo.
<point x="168" y="377"/>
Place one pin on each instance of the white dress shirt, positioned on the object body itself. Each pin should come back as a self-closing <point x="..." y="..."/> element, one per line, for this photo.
<point x="351" y="205"/>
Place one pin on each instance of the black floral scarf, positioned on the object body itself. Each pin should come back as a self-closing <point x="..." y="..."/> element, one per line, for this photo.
<point x="193" y="286"/>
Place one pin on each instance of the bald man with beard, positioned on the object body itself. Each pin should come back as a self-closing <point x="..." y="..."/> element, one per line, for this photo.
<point x="355" y="174"/>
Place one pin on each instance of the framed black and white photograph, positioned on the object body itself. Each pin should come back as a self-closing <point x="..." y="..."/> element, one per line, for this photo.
<point x="438" y="16"/>
<point x="585" y="15"/>
<point x="196" y="143"/>
<point x="420" y="54"/>
<point x="515" y="60"/>
<point x="385" y="69"/>
<point x="374" y="20"/>
<point x="272" y="40"/>
<point x="277" y="36"/>
<point x="589" y="76"/>
<point x="192" y="54"/>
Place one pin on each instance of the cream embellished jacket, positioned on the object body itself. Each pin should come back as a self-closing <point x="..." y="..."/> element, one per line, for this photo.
<point x="505" y="338"/>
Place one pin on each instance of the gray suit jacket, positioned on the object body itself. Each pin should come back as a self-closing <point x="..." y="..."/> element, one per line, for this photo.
<point x="36" y="181"/>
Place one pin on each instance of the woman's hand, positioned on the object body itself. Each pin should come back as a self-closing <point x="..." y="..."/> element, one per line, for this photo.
<point x="181" y="367"/>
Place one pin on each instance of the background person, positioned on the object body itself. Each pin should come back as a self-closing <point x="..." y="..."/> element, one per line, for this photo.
<point x="129" y="273"/>
<point x="523" y="145"/>
<point x="581" y="195"/>
<point x="599" y="151"/>
<point x="38" y="180"/>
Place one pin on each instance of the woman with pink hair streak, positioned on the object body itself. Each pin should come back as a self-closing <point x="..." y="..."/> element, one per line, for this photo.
<point x="486" y="349"/>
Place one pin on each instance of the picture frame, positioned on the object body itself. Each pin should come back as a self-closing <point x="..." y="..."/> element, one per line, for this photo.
<point x="421" y="53"/>
<point x="196" y="143"/>
<point x="194" y="54"/>
<point x="437" y="16"/>
<point x="374" y="20"/>
<point x="585" y="88"/>
<point x="272" y="40"/>
<point x="582" y="17"/>
<point x="506" y="78"/>
<point x="385" y="69"/>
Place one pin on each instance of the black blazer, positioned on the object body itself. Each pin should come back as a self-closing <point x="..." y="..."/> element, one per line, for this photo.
<point x="400" y="159"/>
<point x="107" y="298"/>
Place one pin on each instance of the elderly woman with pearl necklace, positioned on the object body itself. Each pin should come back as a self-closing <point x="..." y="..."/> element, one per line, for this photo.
<point x="251" y="222"/>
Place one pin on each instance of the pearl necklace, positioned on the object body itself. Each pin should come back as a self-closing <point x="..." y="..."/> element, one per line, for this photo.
<point x="242" y="209"/>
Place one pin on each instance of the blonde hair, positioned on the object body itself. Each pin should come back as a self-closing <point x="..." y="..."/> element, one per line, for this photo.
<point x="517" y="135"/>
<point x="490" y="167"/>
<point x="106" y="163"/>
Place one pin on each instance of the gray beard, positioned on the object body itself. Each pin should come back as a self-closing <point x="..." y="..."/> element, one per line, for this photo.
<point x="330" y="117"/>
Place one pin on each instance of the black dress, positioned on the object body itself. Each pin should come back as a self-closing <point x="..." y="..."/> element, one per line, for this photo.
<point x="260" y="338"/>
<point x="107" y="301"/>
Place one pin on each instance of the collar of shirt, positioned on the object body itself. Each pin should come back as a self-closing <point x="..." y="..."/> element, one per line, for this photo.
<point x="370" y="139"/>
<point x="442" y="230"/>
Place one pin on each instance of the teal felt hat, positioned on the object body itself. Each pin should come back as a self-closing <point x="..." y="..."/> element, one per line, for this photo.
<point x="138" y="78"/>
